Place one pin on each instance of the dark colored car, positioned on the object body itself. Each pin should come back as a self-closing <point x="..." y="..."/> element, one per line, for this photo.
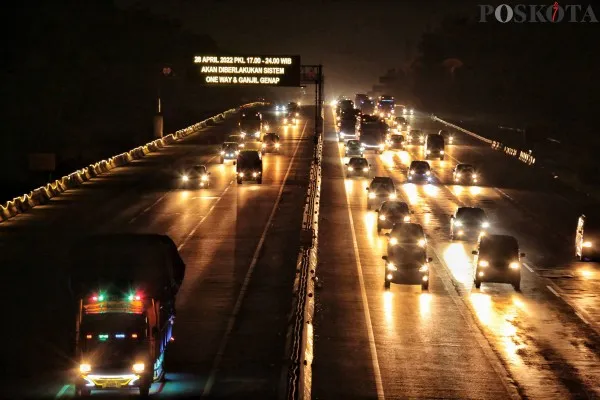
<point x="415" y="136"/>
<point x="382" y="188"/>
<point x="419" y="171"/>
<point x="403" y="235"/>
<point x="353" y="149"/>
<point x="434" y="146"/>
<point x="409" y="266"/>
<point x="358" y="166"/>
<point x="271" y="143"/>
<point x="468" y="222"/>
<point x="497" y="259"/>
<point x="392" y="212"/>
<point x="249" y="166"/>
<point x="229" y="151"/>
<point x="196" y="176"/>
<point x="395" y="142"/>
<point x="465" y="173"/>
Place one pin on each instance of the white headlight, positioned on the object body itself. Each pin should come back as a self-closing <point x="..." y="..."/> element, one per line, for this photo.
<point x="474" y="176"/>
<point x="382" y="217"/>
<point x="392" y="267"/>
<point x="185" y="178"/>
<point x="421" y="243"/>
<point x="241" y="174"/>
<point x="406" y="218"/>
<point x="458" y="175"/>
<point x="365" y="169"/>
<point x="264" y="145"/>
<point x="254" y="174"/>
<point x="393" y="196"/>
<point x="441" y="151"/>
<point x="485" y="225"/>
<point x="393" y="241"/>
<point x="277" y="145"/>
<point x="411" y="172"/>
<point x="587" y="244"/>
<point x="428" y="173"/>
<point x="457" y="223"/>
<point x="514" y="265"/>
<point x="138" y="367"/>
<point x="483" y="263"/>
<point x="204" y="177"/>
<point x="424" y="268"/>
<point x="428" y="151"/>
<point x="85" y="368"/>
<point x="381" y="147"/>
<point x="350" y="168"/>
<point x="372" y="195"/>
<point x="222" y="152"/>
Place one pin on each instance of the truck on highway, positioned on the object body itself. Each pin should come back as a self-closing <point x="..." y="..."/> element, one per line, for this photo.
<point x="124" y="286"/>
<point x="434" y="146"/>
<point x="251" y="125"/>
<point x="386" y="106"/>
<point x="347" y="125"/>
<point x="372" y="133"/>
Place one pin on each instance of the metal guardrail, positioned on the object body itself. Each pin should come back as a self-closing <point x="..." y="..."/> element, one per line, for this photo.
<point x="302" y="350"/>
<point x="524" y="156"/>
<point x="43" y="194"/>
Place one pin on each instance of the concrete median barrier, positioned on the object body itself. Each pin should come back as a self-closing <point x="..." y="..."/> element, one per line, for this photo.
<point x="42" y="195"/>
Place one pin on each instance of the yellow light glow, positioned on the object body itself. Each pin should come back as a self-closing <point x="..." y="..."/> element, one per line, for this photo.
<point x="459" y="263"/>
<point x="349" y="184"/>
<point x="475" y="190"/>
<point x="410" y="191"/>
<point x="431" y="190"/>
<point x="425" y="305"/>
<point x="586" y="273"/>
<point x="388" y="309"/>
<point x="457" y="190"/>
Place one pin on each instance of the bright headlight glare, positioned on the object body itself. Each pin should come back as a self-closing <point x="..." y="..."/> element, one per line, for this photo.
<point x="254" y="174"/>
<point x="457" y="223"/>
<point x="381" y="147"/>
<point x="204" y="177"/>
<point x="392" y="196"/>
<point x="406" y="218"/>
<point x="441" y="151"/>
<point x="222" y="152"/>
<point x="424" y="268"/>
<point x="428" y="151"/>
<point x="428" y="173"/>
<point x="474" y="175"/>
<point x="365" y="169"/>
<point x="485" y="224"/>
<point x="138" y="367"/>
<point x="85" y="368"/>
<point x="421" y="242"/>
<point x="241" y="174"/>
<point x="264" y="145"/>
<point x="185" y="178"/>
<point x="458" y="175"/>
<point x="411" y="172"/>
<point x="483" y="263"/>
<point x="382" y="217"/>
<point x="392" y="267"/>
<point x="393" y="241"/>
<point x="277" y="145"/>
<point x="514" y="265"/>
<point x="372" y="195"/>
<point x="587" y="244"/>
<point x="350" y="168"/>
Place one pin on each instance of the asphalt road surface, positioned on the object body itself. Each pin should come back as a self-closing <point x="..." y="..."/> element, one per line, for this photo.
<point x="454" y="341"/>
<point x="239" y="243"/>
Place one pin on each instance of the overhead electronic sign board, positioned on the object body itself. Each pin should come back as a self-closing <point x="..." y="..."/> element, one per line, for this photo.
<point x="249" y="70"/>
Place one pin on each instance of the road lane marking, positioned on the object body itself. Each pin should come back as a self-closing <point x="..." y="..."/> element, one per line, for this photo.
<point x="161" y="198"/>
<point x="62" y="391"/>
<point x="581" y="317"/>
<point x="365" y="301"/>
<point x="529" y="268"/>
<point x="238" y="304"/>
<point x="550" y="288"/>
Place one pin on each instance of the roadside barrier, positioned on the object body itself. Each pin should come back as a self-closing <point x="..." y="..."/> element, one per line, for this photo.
<point x="301" y="354"/>
<point x="75" y="179"/>
<point x="524" y="156"/>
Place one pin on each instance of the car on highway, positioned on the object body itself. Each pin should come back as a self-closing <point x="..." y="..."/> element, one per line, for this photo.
<point x="395" y="142"/>
<point x="290" y="119"/>
<point x="403" y="235"/>
<point x="409" y="266"/>
<point x="392" y="212"/>
<point x="249" y="166"/>
<point x="293" y="109"/>
<point x="280" y="108"/>
<point x="415" y="136"/>
<point x="380" y="189"/>
<point x="195" y="176"/>
<point x="400" y="123"/>
<point x="358" y="166"/>
<point x="448" y="137"/>
<point x="465" y="173"/>
<point x="239" y="139"/>
<point x="468" y="222"/>
<point x="497" y="259"/>
<point x="353" y="149"/>
<point x="420" y="171"/>
<point x="229" y="151"/>
<point x="408" y="111"/>
<point x="587" y="236"/>
<point x="434" y="146"/>
<point x="271" y="143"/>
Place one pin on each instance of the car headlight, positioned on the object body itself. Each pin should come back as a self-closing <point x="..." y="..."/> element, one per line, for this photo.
<point x="372" y="195"/>
<point x="365" y="169"/>
<point x="424" y="268"/>
<point x="411" y="172"/>
<point x="393" y="196"/>
<point x="514" y="265"/>
<point x="277" y="145"/>
<point x="204" y="177"/>
<point x="297" y="114"/>
<point x="222" y="152"/>
<point x="485" y="225"/>
<point x="362" y="148"/>
<point x="421" y="243"/>
<point x="264" y="145"/>
<point x="85" y="368"/>
<point x="254" y="174"/>
<point x="458" y="175"/>
<point x="242" y="145"/>
<point x="256" y="134"/>
<point x="457" y="223"/>
<point x="392" y="267"/>
<point x="138" y="368"/>
<point x="241" y="174"/>
<point x="474" y="176"/>
<point x="237" y="152"/>
<point x="587" y="244"/>
<point x="382" y="217"/>
<point x="243" y="134"/>
<point x="428" y="151"/>
<point x="185" y="178"/>
<point x="393" y="241"/>
<point x="441" y="151"/>
<point x="381" y="147"/>
<point x="412" y="111"/>
<point x="483" y="263"/>
<point x="428" y="173"/>
<point x="267" y="127"/>
<point x="406" y="218"/>
<point x="351" y="169"/>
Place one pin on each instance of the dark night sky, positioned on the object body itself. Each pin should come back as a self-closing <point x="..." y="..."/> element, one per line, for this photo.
<point x="356" y="41"/>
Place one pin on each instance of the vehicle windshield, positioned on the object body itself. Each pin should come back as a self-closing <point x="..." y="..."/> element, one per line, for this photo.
<point x="397" y="208"/>
<point x="397" y="139"/>
<point x="199" y="169"/>
<point x="502" y="249"/>
<point x="353" y="144"/>
<point x="250" y="117"/>
<point x="415" y="132"/>
<point x="249" y="158"/>
<point x="408" y="233"/>
<point x="435" y="140"/>
<point x="358" y="162"/>
<point x="412" y="256"/>
<point x="271" y="137"/>
<point x="466" y="169"/>
<point x="382" y="187"/>
<point x="420" y="166"/>
<point x="234" y="138"/>
<point x="114" y="335"/>
<point x="471" y="215"/>
<point x="230" y="146"/>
